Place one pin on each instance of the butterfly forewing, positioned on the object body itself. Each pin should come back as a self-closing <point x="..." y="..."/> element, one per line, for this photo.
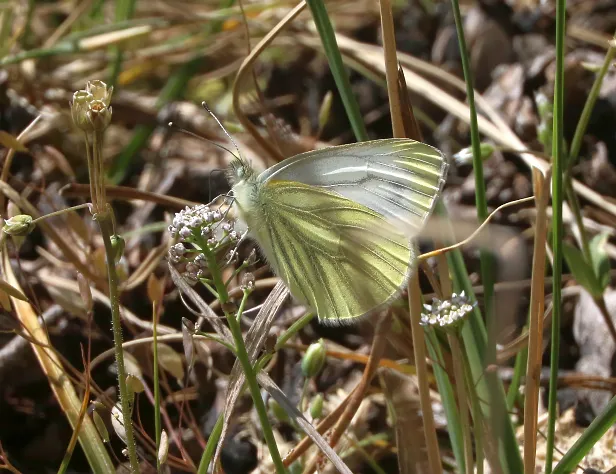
<point x="397" y="178"/>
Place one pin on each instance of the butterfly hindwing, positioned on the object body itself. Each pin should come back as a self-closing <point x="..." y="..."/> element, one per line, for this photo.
<point x="338" y="256"/>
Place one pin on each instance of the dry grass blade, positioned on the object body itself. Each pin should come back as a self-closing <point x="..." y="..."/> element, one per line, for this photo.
<point x="535" y="336"/>
<point x="401" y="393"/>
<point x="419" y="350"/>
<point x="48" y="278"/>
<point x="59" y="383"/>
<point x="12" y="291"/>
<point x="411" y="126"/>
<point x="391" y="69"/>
<point x="254" y="342"/>
<point x="127" y="194"/>
<point x="146" y="267"/>
<point x="268" y="384"/>
<point x="246" y="67"/>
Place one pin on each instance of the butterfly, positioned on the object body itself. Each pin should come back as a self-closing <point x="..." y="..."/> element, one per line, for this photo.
<point x="337" y="225"/>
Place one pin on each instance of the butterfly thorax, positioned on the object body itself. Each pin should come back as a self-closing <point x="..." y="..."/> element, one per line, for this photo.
<point x="245" y="188"/>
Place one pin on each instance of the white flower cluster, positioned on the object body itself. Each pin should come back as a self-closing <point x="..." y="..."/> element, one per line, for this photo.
<point x="447" y="313"/>
<point x="199" y="229"/>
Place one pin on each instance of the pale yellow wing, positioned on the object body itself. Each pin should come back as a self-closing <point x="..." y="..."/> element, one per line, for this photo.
<point x="399" y="178"/>
<point x="340" y="257"/>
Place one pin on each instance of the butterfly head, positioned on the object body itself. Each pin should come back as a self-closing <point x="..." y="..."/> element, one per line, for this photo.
<point x="239" y="171"/>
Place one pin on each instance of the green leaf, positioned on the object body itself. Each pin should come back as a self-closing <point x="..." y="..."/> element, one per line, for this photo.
<point x="600" y="260"/>
<point x="582" y="270"/>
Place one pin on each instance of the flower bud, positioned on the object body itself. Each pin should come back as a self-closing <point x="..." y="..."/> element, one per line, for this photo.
<point x="296" y="468"/>
<point x="163" y="449"/>
<point x="316" y="406"/>
<point x="117" y="244"/>
<point x="247" y="282"/>
<point x="465" y="155"/>
<point x="18" y="226"/>
<point x="314" y="359"/>
<point x="279" y="413"/>
<point x="325" y="109"/>
<point x="79" y="110"/>
<point x="100" y="91"/>
<point x="99" y="115"/>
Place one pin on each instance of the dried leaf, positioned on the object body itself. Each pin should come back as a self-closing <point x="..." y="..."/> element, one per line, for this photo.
<point x="156" y="288"/>
<point x="131" y="365"/>
<point x="188" y="329"/>
<point x="9" y="141"/>
<point x="85" y="292"/>
<point x="67" y="299"/>
<point x="170" y="360"/>
<point x="5" y="301"/>
<point x="12" y="291"/>
<point x="134" y="384"/>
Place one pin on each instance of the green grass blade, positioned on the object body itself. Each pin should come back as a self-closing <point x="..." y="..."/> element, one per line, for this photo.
<point x="124" y="11"/>
<point x="328" y="38"/>
<point x="445" y="390"/>
<point x="589" y="438"/>
<point x="557" y="225"/>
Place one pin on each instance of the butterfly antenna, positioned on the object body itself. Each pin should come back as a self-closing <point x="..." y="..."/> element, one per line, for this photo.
<point x="205" y="106"/>
<point x="194" y="135"/>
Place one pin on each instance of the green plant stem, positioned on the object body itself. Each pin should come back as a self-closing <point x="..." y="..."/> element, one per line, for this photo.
<point x="557" y="226"/>
<point x="519" y="369"/>
<point x="104" y="223"/>
<point x="244" y="359"/>
<point x="210" y="447"/>
<point x="334" y="58"/>
<point x="460" y="385"/>
<point x="212" y="441"/>
<point x="510" y="459"/>
<point x="255" y="392"/>
<point x="574" y="204"/>
<point x="61" y="211"/>
<point x="445" y="390"/>
<point x="481" y="203"/>
<point x="156" y="387"/>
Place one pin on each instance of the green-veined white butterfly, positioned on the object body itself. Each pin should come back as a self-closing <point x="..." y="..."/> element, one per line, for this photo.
<point x="337" y="225"/>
